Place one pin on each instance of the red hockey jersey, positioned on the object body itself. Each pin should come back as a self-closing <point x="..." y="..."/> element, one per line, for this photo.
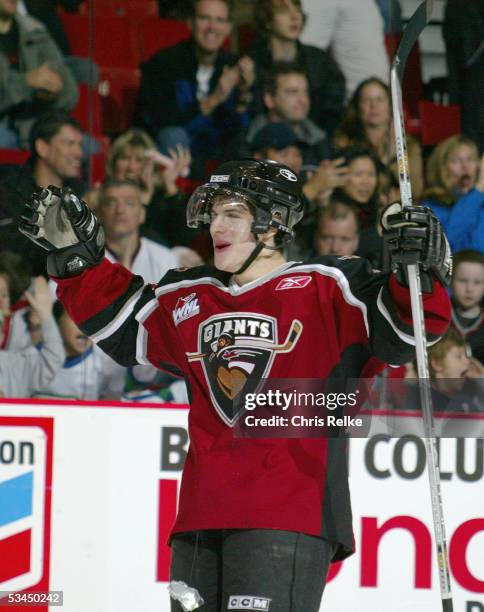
<point x="352" y="319"/>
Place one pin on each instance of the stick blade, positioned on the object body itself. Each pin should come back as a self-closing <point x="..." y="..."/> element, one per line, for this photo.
<point x="414" y="28"/>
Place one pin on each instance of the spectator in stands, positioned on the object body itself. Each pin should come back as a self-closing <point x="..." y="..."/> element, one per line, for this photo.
<point x="278" y="141"/>
<point x="286" y="99"/>
<point x="15" y="278"/>
<point x="22" y="373"/>
<point x="83" y="68"/>
<point x="55" y="144"/>
<point x="353" y="31"/>
<point x="468" y="299"/>
<point x="463" y="32"/>
<point x="33" y="75"/>
<point x="361" y="188"/>
<point x="279" y="24"/>
<point x="455" y="191"/>
<point x="367" y="123"/>
<point x="457" y="379"/>
<point x="337" y="230"/>
<point x="122" y="213"/>
<point x="371" y="241"/>
<point x="87" y="373"/>
<point x="195" y="93"/>
<point x="133" y="156"/>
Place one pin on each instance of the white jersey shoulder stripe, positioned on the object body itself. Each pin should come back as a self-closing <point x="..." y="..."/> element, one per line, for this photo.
<point x="342" y="283"/>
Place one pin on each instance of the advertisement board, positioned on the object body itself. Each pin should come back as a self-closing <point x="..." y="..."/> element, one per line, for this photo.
<point x="88" y="492"/>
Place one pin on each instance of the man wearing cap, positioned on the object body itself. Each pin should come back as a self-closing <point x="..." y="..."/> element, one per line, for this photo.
<point x="279" y="142"/>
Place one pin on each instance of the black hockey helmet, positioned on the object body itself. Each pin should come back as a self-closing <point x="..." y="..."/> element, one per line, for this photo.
<point x="272" y="191"/>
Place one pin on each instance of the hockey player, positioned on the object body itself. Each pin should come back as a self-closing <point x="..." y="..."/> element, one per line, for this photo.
<point x="259" y="520"/>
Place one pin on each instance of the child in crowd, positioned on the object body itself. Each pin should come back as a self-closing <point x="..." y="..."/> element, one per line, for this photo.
<point x="467" y="299"/>
<point x="26" y="371"/>
<point x="457" y="379"/>
<point x="87" y="373"/>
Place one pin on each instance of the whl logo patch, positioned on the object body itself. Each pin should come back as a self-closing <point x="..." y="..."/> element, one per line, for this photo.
<point x="293" y="282"/>
<point x="185" y="308"/>
<point x="248" y="602"/>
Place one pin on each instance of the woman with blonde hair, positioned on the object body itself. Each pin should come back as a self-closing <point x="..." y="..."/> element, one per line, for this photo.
<point x="367" y="123"/>
<point x="455" y="191"/>
<point x="134" y="156"/>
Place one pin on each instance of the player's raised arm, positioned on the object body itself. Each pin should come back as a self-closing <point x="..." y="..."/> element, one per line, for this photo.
<point x="104" y="299"/>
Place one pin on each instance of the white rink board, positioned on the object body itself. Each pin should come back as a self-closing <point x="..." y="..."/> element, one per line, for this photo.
<point x="104" y="519"/>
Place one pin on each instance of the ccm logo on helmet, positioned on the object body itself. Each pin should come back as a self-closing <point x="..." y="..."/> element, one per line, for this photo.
<point x="220" y="178"/>
<point x="288" y="174"/>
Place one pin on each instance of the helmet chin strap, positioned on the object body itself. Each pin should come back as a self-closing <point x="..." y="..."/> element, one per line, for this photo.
<point x="255" y="252"/>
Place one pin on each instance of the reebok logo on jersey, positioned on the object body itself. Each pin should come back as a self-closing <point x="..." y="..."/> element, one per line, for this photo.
<point x="248" y="602"/>
<point x="185" y="308"/>
<point x="293" y="282"/>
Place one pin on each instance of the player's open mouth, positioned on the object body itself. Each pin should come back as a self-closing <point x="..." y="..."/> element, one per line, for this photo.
<point x="221" y="246"/>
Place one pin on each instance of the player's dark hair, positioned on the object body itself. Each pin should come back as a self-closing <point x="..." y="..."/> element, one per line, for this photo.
<point x="281" y="69"/>
<point x="49" y="125"/>
<point x="264" y="15"/>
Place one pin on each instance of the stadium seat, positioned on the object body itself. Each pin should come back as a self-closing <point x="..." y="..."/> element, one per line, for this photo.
<point x="109" y="41"/>
<point x="88" y="98"/>
<point x="438" y="121"/>
<point x="118" y="90"/>
<point x="134" y="9"/>
<point x="97" y="168"/>
<point x="13" y="156"/>
<point x="156" y="34"/>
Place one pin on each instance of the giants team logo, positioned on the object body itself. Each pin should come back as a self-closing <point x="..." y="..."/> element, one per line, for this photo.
<point x="236" y="351"/>
<point x="25" y="482"/>
<point x="185" y="308"/>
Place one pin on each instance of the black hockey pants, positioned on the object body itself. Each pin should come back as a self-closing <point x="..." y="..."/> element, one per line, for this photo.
<point x="252" y="569"/>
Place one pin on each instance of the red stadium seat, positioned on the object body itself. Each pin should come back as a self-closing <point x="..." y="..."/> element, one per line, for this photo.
<point x="438" y="121"/>
<point x="134" y="9"/>
<point x="109" y="41"/>
<point x="118" y="89"/>
<point x="90" y="122"/>
<point x="158" y="34"/>
<point x="13" y="156"/>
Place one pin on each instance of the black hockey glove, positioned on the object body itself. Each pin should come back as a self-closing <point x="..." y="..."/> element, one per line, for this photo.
<point x="414" y="235"/>
<point x="59" y="222"/>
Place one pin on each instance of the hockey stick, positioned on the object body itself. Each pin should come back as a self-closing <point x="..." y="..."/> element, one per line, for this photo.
<point x="417" y="23"/>
<point x="291" y="339"/>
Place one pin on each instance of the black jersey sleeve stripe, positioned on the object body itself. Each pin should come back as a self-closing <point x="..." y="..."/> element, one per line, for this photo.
<point x="106" y="316"/>
<point x="120" y="337"/>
